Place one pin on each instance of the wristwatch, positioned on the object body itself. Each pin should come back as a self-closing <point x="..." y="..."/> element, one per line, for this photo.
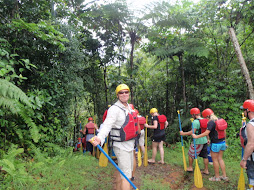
<point x="243" y="159"/>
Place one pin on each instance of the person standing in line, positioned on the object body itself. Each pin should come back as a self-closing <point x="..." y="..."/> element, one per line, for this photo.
<point x="201" y="143"/>
<point x="159" y="123"/>
<point x="247" y="141"/>
<point x="141" y="140"/>
<point x="113" y="123"/>
<point x="218" y="143"/>
<point x="89" y="132"/>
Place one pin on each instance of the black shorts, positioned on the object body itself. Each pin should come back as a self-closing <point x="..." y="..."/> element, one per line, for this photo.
<point x="250" y="169"/>
<point x="159" y="138"/>
<point x="89" y="147"/>
<point x="204" y="153"/>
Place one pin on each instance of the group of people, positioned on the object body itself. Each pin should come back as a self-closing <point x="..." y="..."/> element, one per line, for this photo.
<point x="122" y="123"/>
<point x="212" y="130"/>
<point x="207" y="131"/>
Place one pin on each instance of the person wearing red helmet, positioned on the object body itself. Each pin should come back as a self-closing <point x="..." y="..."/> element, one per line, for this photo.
<point x="89" y="132"/>
<point x="78" y="145"/>
<point x="247" y="141"/>
<point x="201" y="143"/>
<point x="216" y="129"/>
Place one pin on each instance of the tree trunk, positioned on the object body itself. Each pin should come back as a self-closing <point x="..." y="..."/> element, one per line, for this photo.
<point x="244" y="68"/>
<point x="133" y="37"/>
<point x="167" y="90"/>
<point x="183" y="80"/>
<point x="105" y="84"/>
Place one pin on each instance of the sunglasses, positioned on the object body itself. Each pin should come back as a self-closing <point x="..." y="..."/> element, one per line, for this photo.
<point x="123" y="92"/>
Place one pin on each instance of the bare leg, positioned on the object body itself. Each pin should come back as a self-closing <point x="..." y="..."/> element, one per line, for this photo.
<point x="206" y="165"/>
<point x="161" y="152"/>
<point x="143" y="149"/>
<point x="190" y="168"/>
<point x="118" y="181"/>
<point x="125" y="185"/>
<point x="216" y="168"/>
<point x="222" y="164"/>
<point x="154" y="146"/>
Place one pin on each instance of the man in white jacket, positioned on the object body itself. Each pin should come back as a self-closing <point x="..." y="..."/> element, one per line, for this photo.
<point x="116" y="117"/>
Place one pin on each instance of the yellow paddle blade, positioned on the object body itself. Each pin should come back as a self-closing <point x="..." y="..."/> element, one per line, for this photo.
<point x="198" y="176"/>
<point x="241" y="181"/>
<point x="184" y="160"/>
<point x="146" y="156"/>
<point x="139" y="157"/>
<point x="103" y="160"/>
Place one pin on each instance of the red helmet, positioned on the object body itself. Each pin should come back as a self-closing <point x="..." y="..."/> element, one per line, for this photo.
<point x="194" y="111"/>
<point x="90" y="119"/>
<point x="131" y="105"/>
<point x="207" y="112"/>
<point x="249" y="104"/>
<point x="136" y="111"/>
<point x="79" y="139"/>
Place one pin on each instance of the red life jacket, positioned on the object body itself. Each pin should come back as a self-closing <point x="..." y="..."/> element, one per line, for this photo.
<point x="203" y="125"/>
<point x="142" y="121"/>
<point x="162" y="119"/>
<point x="129" y="129"/>
<point x="221" y="126"/>
<point x="105" y="115"/>
<point x="243" y="136"/>
<point x="90" y="128"/>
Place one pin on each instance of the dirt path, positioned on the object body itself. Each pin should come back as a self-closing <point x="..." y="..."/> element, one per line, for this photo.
<point x="172" y="176"/>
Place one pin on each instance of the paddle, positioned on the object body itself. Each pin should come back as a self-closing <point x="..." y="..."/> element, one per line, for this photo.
<point x="103" y="161"/>
<point x="146" y="156"/>
<point x="114" y="164"/>
<point x="197" y="174"/>
<point x="139" y="157"/>
<point x="94" y="135"/>
<point x="80" y="127"/>
<point x="241" y="181"/>
<point x="184" y="160"/>
<point x="97" y="150"/>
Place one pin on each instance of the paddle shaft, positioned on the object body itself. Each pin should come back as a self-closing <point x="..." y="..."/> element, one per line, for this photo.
<point x="180" y="126"/>
<point x="114" y="164"/>
<point x="194" y="142"/>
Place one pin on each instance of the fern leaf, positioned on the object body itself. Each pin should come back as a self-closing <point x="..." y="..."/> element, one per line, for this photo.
<point x="11" y="91"/>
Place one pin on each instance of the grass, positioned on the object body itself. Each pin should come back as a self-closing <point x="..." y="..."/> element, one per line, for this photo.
<point x="76" y="171"/>
<point x="71" y="171"/>
<point x="173" y="156"/>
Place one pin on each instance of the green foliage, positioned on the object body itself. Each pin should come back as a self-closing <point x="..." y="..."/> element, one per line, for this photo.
<point x="16" y="170"/>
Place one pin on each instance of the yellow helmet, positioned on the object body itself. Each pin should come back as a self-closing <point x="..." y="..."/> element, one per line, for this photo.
<point x="153" y="110"/>
<point x="122" y="87"/>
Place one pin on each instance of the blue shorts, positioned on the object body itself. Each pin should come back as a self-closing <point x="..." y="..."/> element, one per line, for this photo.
<point x="217" y="147"/>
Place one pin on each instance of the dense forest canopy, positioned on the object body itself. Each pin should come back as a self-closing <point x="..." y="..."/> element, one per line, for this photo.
<point x="61" y="60"/>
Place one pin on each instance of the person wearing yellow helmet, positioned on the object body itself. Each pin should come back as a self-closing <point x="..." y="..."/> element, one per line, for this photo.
<point x="159" y="123"/>
<point x="120" y="117"/>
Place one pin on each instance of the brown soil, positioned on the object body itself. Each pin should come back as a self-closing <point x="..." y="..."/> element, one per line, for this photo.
<point x="172" y="176"/>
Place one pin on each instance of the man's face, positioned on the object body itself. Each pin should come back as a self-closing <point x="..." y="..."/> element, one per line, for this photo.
<point x="123" y="96"/>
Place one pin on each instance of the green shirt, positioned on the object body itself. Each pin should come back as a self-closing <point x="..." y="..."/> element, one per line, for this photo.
<point x="196" y="125"/>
